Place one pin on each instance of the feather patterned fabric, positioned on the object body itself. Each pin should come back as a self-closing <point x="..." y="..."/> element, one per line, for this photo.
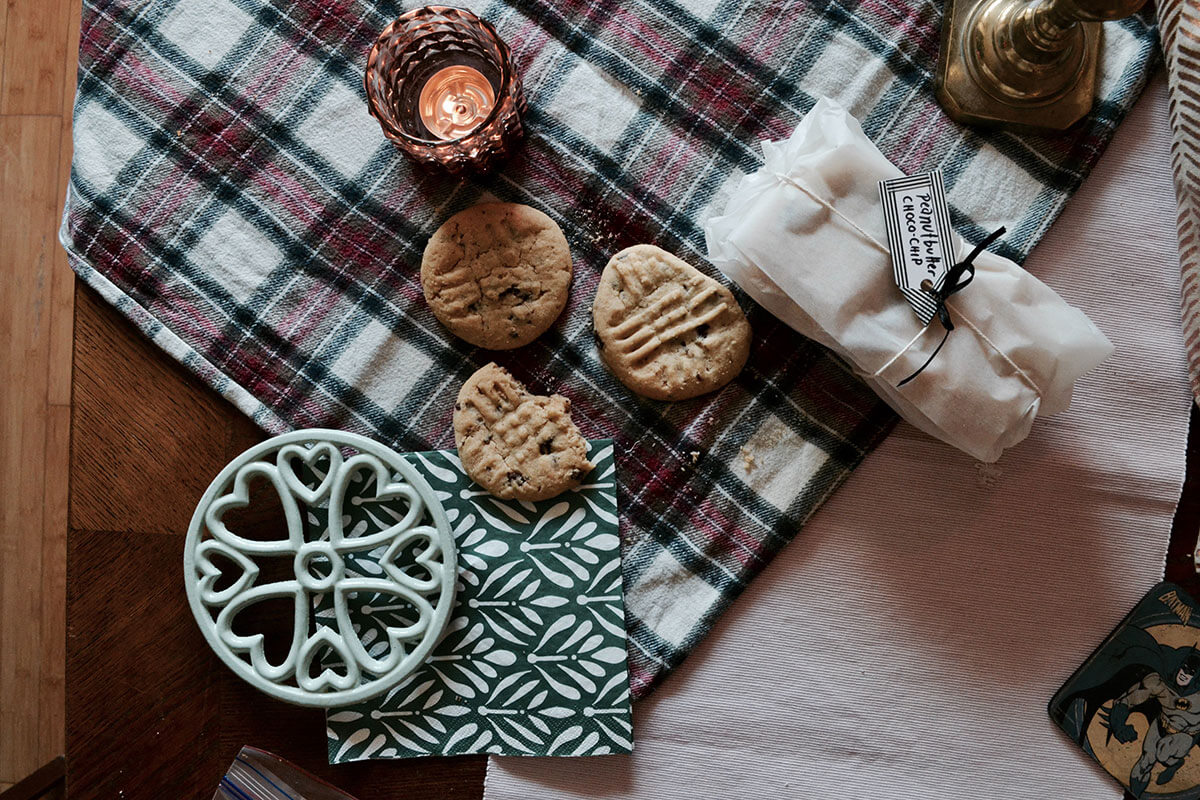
<point x="1179" y="27"/>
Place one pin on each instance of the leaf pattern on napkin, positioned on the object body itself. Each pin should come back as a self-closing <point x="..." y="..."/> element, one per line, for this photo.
<point x="533" y="662"/>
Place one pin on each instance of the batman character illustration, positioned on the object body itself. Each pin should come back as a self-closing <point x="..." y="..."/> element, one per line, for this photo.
<point x="1134" y="705"/>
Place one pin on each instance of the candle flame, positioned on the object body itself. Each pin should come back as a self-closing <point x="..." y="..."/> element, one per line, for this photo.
<point x="455" y="101"/>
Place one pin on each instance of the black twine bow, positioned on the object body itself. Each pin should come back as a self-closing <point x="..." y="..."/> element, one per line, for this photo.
<point x="958" y="277"/>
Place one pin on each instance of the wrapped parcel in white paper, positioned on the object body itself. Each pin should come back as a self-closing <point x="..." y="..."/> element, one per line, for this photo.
<point x="805" y="237"/>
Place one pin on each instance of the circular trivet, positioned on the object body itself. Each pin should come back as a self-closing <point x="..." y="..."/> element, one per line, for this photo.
<point x="314" y="475"/>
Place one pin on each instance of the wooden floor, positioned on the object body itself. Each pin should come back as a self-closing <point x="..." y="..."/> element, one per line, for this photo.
<point x="146" y="439"/>
<point x="38" y="47"/>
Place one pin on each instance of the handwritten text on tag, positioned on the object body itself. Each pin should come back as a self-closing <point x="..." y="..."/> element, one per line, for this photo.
<point x="919" y="236"/>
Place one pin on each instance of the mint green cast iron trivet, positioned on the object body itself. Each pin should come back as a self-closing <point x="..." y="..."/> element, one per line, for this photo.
<point x="324" y="666"/>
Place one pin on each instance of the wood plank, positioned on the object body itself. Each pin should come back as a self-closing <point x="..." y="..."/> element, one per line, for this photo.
<point x="62" y="288"/>
<point x="141" y="693"/>
<point x="28" y="182"/>
<point x="61" y="327"/>
<point x="53" y="624"/>
<point x="70" y="74"/>
<point x="3" y="37"/>
<point x="51" y="689"/>
<point x="44" y="783"/>
<point x="147" y="437"/>
<point x="34" y="47"/>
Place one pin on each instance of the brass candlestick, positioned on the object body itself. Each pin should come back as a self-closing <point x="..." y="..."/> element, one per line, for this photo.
<point x="1023" y="63"/>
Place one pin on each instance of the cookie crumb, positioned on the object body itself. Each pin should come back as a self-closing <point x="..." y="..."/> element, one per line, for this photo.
<point x="748" y="460"/>
<point x="987" y="476"/>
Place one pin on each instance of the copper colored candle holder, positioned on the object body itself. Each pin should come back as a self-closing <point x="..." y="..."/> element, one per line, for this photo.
<point x="430" y="77"/>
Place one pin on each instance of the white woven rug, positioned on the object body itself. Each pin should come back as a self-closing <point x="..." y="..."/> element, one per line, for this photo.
<point x="906" y="643"/>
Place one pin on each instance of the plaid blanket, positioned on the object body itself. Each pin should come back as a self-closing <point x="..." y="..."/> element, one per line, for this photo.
<point x="230" y="194"/>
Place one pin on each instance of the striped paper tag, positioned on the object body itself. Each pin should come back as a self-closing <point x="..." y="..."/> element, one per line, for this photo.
<point x="920" y="237"/>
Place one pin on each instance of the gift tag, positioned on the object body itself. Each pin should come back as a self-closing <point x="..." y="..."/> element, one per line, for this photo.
<point x="920" y="237"/>
<point x="1134" y="705"/>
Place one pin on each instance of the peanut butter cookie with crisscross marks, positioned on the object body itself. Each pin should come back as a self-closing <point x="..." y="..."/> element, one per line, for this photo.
<point x="665" y="329"/>
<point x="497" y="274"/>
<point x="515" y="444"/>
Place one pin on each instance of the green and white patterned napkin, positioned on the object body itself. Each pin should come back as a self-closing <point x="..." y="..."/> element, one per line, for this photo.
<point x="533" y="661"/>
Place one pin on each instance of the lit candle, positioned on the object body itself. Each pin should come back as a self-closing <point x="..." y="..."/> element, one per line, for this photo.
<point x="455" y="101"/>
<point x="442" y="84"/>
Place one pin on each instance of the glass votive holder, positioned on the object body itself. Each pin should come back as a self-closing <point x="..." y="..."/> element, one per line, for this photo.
<point x="442" y="84"/>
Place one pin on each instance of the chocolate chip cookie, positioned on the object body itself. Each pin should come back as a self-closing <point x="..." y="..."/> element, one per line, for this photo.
<point x="514" y="444"/>
<point x="665" y="329"/>
<point x="497" y="274"/>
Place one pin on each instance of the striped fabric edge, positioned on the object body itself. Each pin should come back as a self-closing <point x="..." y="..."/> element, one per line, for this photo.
<point x="166" y="339"/>
<point x="1179" y="27"/>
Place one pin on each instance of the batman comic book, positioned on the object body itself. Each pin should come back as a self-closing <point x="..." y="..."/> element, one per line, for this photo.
<point x="1134" y="705"/>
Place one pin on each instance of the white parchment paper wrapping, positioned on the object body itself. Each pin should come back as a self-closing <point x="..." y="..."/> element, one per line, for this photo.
<point x="805" y="237"/>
